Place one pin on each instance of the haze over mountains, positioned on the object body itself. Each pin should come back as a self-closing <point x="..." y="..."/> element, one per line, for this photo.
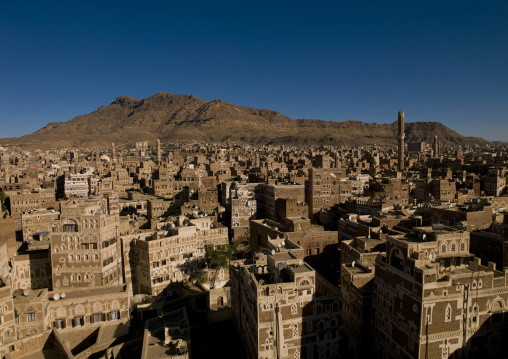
<point x="186" y="118"/>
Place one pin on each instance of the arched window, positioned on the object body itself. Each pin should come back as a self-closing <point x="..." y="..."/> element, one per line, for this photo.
<point x="70" y="226"/>
<point x="453" y="247"/>
<point x="497" y="305"/>
<point x="443" y="248"/>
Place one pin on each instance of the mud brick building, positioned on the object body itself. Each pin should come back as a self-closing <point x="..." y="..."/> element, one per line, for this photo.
<point x="495" y="182"/>
<point x="24" y="201"/>
<point x="389" y="189"/>
<point x="284" y="309"/>
<point x="85" y="250"/>
<point x="476" y="217"/>
<point x="37" y="224"/>
<point x="243" y="204"/>
<point x="357" y="283"/>
<point x="289" y="207"/>
<point x="326" y="188"/>
<point x="270" y="192"/>
<point x="430" y="300"/>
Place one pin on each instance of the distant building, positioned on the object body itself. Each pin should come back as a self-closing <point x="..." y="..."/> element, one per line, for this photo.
<point x="76" y="185"/>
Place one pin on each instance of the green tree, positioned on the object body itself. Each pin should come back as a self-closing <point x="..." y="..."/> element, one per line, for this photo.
<point x="219" y="258"/>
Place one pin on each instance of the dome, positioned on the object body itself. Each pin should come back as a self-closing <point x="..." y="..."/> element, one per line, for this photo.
<point x="104" y="158"/>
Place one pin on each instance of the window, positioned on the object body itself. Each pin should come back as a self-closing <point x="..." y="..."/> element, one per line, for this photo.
<point x="30" y="317"/>
<point x="114" y="315"/>
<point x="448" y="313"/>
<point x="59" y="323"/>
<point x="96" y="318"/>
<point x="70" y="228"/>
<point x="294" y="309"/>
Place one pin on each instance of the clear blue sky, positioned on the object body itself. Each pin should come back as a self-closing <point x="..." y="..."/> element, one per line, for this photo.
<point x="443" y="61"/>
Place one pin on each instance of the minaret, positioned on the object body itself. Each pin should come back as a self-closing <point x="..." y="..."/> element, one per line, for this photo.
<point x="336" y="159"/>
<point x="436" y="147"/>
<point x="158" y="152"/>
<point x="113" y="152"/>
<point x="400" y="137"/>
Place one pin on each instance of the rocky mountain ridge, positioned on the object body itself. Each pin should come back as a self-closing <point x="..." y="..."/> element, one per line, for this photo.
<point x="186" y="118"/>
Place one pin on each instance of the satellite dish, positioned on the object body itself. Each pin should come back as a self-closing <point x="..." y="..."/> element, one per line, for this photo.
<point x="273" y="252"/>
<point x="353" y="264"/>
<point x="300" y="262"/>
<point x="424" y="237"/>
<point x="56" y="296"/>
<point x="62" y="295"/>
<point x="26" y="293"/>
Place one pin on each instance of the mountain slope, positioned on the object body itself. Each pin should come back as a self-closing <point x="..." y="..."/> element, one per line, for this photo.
<point x="185" y="118"/>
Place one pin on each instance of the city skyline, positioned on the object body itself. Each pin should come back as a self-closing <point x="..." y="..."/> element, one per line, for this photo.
<point x="332" y="61"/>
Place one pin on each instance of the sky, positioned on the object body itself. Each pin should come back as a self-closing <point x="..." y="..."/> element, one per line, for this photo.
<point x="443" y="61"/>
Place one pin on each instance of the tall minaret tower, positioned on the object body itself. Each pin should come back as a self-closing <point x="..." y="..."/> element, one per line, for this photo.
<point x="113" y="152"/>
<point x="436" y="147"/>
<point x="400" y="137"/>
<point x="158" y="152"/>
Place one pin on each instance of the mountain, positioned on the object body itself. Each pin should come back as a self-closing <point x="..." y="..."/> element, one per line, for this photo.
<point x="186" y="118"/>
